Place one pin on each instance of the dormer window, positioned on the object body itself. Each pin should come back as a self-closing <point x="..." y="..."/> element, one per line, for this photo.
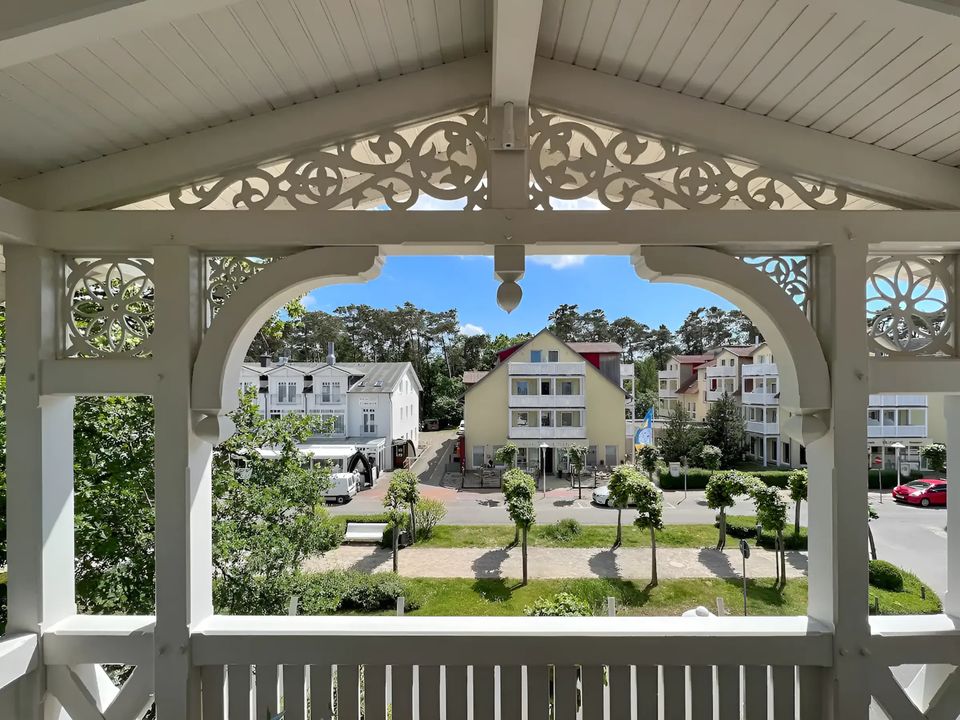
<point x="553" y="356"/>
<point x="536" y="356"/>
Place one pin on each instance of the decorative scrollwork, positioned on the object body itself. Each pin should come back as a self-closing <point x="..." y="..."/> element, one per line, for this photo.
<point x="445" y="159"/>
<point x="790" y="272"/>
<point x="909" y="304"/>
<point x="225" y="275"/>
<point x="108" y="307"/>
<point x="571" y="159"/>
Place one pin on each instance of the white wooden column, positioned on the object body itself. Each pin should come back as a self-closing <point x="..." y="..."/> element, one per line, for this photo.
<point x="40" y="516"/>
<point x="951" y="601"/>
<point x="183" y="535"/>
<point x="838" y="592"/>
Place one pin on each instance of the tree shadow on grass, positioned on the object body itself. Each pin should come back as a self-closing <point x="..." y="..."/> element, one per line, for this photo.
<point x="764" y="591"/>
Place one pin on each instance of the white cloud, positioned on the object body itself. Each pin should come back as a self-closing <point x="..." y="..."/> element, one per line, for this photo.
<point x="558" y="262"/>
<point x="470" y="330"/>
<point x="310" y="302"/>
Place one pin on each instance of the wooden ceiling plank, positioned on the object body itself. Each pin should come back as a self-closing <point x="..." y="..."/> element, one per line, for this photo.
<point x="675" y="36"/>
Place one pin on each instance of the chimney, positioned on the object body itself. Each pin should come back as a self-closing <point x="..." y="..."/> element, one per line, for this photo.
<point x="265" y="360"/>
<point x="331" y="356"/>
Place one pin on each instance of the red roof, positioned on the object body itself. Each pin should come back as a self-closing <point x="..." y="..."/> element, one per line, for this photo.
<point x="692" y="359"/>
<point x="595" y="347"/>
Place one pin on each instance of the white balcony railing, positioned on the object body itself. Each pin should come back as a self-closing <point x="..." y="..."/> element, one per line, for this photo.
<point x="667" y="393"/>
<point x="891" y="401"/>
<point x="276" y="399"/>
<point x="759" y="398"/>
<point x="714" y="395"/>
<point x="546" y="368"/>
<point x="547" y="401"/>
<point x="546" y="433"/>
<point x="759" y="369"/>
<point x="668" y="374"/>
<point x="626" y="370"/>
<point x="896" y="431"/>
<point x="721" y="371"/>
<point x="763" y="428"/>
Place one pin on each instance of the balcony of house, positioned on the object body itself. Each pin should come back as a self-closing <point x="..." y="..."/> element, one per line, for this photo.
<point x="759" y="390"/>
<point x="884" y="421"/>
<point x="898" y="401"/>
<point x="759" y="398"/>
<point x="761" y="427"/>
<point x="721" y="371"/>
<point x="546" y="424"/>
<point x="759" y="370"/>
<point x="286" y="399"/>
<point x="547" y="401"/>
<point x="896" y="431"/>
<point x="321" y="402"/>
<point x="626" y="371"/>
<point x="546" y="368"/>
<point x="717" y="391"/>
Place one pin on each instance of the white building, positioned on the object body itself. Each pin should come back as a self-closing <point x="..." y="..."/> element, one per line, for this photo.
<point x="374" y="407"/>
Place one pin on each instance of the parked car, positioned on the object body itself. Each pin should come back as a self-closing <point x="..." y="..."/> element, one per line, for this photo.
<point x="460" y="428"/>
<point x="601" y="496"/>
<point x="925" y="492"/>
<point x="430" y="425"/>
<point x="343" y="486"/>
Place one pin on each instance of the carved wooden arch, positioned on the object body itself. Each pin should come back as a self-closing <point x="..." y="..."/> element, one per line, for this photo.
<point x="804" y="377"/>
<point x="217" y="367"/>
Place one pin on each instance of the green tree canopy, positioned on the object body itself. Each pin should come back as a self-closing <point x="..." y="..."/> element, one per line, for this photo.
<point x="725" y="429"/>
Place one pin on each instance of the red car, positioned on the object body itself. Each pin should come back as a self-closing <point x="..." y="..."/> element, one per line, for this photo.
<point x="924" y="492"/>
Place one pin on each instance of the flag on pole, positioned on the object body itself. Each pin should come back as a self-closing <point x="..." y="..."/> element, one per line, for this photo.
<point x="644" y="434"/>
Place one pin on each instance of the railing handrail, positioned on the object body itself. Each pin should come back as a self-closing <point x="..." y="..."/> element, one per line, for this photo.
<point x="18" y="657"/>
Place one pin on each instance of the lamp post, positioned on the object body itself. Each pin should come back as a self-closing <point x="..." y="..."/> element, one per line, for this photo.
<point x="543" y="465"/>
<point x="897" y="447"/>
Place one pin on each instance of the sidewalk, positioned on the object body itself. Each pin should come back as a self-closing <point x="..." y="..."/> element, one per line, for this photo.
<point x="544" y="563"/>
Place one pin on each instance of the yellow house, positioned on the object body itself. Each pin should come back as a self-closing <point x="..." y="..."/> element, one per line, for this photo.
<point x="545" y="397"/>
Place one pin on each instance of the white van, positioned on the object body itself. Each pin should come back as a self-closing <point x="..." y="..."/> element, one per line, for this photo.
<point x="343" y="486"/>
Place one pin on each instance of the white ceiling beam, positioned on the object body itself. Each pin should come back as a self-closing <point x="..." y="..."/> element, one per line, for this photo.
<point x="614" y="232"/>
<point x="31" y="29"/>
<point x="516" y="27"/>
<point x="143" y="171"/>
<point x="17" y="223"/>
<point x="744" y="135"/>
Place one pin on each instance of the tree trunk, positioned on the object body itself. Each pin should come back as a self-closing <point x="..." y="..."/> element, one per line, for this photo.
<point x="413" y="525"/>
<point x="516" y="536"/>
<point x="653" y="555"/>
<point x="524" y="555"/>
<point x="396" y="542"/>
<point x="873" y="545"/>
<point x="783" y="559"/>
<point x="722" y="541"/>
<point x="796" y="520"/>
<point x="616" y="543"/>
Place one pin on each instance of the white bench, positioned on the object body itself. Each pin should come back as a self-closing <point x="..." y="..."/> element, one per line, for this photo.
<point x="364" y="532"/>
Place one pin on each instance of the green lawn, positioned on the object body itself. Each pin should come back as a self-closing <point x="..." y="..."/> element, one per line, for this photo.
<point x="591" y="536"/>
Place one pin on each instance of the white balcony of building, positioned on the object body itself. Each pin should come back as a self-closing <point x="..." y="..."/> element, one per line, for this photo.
<point x="759" y="369"/>
<point x="667" y="392"/>
<point x="759" y="427"/>
<point x="546" y="368"/>
<point x="896" y="431"/>
<point x="546" y="433"/>
<point x="721" y="371"/>
<point x="714" y="394"/>
<point x="669" y="374"/>
<point x="759" y="398"/>
<point x="898" y="401"/>
<point x="278" y="399"/>
<point x="626" y="371"/>
<point x="547" y="401"/>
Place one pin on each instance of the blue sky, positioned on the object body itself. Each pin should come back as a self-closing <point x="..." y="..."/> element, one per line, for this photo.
<point x="467" y="283"/>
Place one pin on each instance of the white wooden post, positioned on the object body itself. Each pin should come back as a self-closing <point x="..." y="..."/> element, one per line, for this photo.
<point x="40" y="517"/>
<point x="838" y="592"/>
<point x="951" y="601"/>
<point x="183" y="534"/>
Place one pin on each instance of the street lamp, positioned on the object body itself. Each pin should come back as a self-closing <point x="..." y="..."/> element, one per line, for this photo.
<point x="897" y="447"/>
<point x="543" y="465"/>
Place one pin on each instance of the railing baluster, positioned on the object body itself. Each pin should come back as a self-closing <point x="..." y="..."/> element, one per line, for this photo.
<point x="538" y="692"/>
<point x="784" y="691"/>
<point x="701" y="692"/>
<point x="592" y="691"/>
<point x="455" y="677"/>
<point x="212" y="688"/>
<point x="728" y="692"/>
<point x="374" y="692"/>
<point x="320" y="693"/>
<point x="265" y="688"/>
<point x="648" y="689"/>
<point x="674" y="692"/>
<point x="565" y="692"/>
<point x="401" y="691"/>
<point x="483" y="692"/>
<point x="238" y="692"/>
<point x="619" y="679"/>
<point x="348" y="692"/>
<point x="511" y="692"/>
<point x="429" y="692"/>
<point x="294" y="693"/>
<point x="755" y="692"/>
<point x="811" y="692"/>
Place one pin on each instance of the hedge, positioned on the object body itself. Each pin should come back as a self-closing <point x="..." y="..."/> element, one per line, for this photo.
<point x="697" y="478"/>
<point x="745" y="527"/>
<point x="885" y="576"/>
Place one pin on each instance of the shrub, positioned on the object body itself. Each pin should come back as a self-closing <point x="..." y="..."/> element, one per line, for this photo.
<point x="745" y="527"/>
<point x="710" y="457"/>
<point x="429" y="513"/>
<point x="563" y="530"/>
<point x="885" y="576"/>
<point x="560" y="605"/>
<point x="340" y="590"/>
<point x="697" y="478"/>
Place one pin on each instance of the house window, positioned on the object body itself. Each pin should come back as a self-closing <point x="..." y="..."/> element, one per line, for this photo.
<point x="479" y="455"/>
<point x="803" y="455"/>
<point x="553" y="355"/>
<point x="521" y="419"/>
<point x="369" y="421"/>
<point x="568" y="419"/>
<point x="546" y="418"/>
<point x="521" y="387"/>
<point x="592" y="455"/>
<point x="329" y="392"/>
<point x="545" y="387"/>
<point x="274" y="414"/>
<point x="536" y="356"/>
<point x="610" y="455"/>
<point x="873" y="417"/>
<point x="521" y="456"/>
<point x="567" y="387"/>
<point x="287" y="392"/>
<point x="785" y="455"/>
<point x="332" y="423"/>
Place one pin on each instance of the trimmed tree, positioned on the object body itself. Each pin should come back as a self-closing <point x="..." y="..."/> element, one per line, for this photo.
<point x="647" y="458"/>
<point x="409" y="495"/>
<point x="726" y="430"/>
<point x="771" y="512"/>
<point x="578" y="459"/>
<point x="722" y="490"/>
<point x="649" y="501"/>
<point x="396" y="515"/>
<point x="710" y="457"/>
<point x="797" y="482"/>
<point x="871" y="515"/>
<point x="519" y="489"/>
<point x="936" y="456"/>
<point x="622" y="487"/>
<point x="506" y="455"/>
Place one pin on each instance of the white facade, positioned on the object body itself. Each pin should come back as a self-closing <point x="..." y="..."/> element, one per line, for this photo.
<point x="376" y="403"/>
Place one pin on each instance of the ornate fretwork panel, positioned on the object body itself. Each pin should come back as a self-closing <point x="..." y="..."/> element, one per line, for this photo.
<point x="445" y="159"/>
<point x="910" y="304"/>
<point x="107" y="307"/>
<point x="790" y="272"/>
<point x="224" y="275"/>
<point x="573" y="159"/>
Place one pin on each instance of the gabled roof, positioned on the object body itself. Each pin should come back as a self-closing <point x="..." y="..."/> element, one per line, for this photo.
<point x="741" y="350"/>
<point x="376" y="377"/>
<point x="688" y="384"/>
<point x="692" y="359"/>
<point x="472" y="377"/>
<point x="595" y="347"/>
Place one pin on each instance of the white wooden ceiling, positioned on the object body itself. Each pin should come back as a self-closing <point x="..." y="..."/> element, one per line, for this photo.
<point x="792" y="60"/>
